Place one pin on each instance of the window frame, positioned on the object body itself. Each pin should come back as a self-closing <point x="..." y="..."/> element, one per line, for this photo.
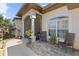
<point x="57" y="19"/>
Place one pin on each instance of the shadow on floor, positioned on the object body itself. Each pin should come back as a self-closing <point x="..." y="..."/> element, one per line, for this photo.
<point x="20" y="50"/>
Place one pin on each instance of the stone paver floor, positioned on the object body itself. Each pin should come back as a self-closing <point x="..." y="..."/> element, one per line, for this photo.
<point x="16" y="47"/>
<point x="46" y="49"/>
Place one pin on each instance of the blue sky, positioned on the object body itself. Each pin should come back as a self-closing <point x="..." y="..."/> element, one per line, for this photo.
<point x="13" y="9"/>
<point x="10" y="10"/>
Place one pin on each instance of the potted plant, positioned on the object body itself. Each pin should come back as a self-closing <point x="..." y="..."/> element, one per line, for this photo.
<point x="52" y="39"/>
<point x="28" y="34"/>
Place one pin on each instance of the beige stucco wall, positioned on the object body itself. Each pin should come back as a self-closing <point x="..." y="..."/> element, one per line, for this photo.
<point x="62" y="11"/>
<point x="18" y="25"/>
<point x="74" y="17"/>
<point x="73" y="21"/>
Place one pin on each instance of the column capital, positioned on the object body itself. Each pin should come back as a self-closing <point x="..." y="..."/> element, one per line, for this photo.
<point x="33" y="16"/>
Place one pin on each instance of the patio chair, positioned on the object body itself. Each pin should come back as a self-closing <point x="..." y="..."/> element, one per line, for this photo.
<point x="68" y="42"/>
<point x="43" y="36"/>
<point x="38" y="36"/>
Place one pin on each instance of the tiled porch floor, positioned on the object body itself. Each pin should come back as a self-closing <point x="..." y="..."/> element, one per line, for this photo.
<point x="46" y="49"/>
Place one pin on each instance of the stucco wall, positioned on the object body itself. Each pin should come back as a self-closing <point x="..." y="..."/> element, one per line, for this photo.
<point x="62" y="11"/>
<point x="73" y="21"/>
<point x="74" y="17"/>
<point x="18" y="25"/>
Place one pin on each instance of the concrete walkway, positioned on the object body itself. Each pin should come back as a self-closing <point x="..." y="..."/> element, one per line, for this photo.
<point x="16" y="47"/>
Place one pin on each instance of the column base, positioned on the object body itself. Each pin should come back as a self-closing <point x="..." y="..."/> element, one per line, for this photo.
<point x="33" y="38"/>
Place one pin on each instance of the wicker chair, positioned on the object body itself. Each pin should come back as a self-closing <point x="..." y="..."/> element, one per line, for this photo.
<point x="43" y="35"/>
<point x="69" y="41"/>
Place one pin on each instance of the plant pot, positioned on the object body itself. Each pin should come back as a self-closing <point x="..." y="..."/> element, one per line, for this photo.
<point x="51" y="42"/>
<point x="29" y="40"/>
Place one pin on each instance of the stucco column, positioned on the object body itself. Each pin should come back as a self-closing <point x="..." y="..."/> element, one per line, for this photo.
<point x="33" y="17"/>
<point x="23" y="28"/>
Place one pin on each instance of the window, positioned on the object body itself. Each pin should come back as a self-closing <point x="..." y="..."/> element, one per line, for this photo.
<point x="52" y="27"/>
<point x="58" y="26"/>
<point x="62" y="28"/>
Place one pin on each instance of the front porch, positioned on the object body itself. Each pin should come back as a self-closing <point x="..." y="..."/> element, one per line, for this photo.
<point x="33" y="21"/>
<point x="46" y="49"/>
<point x="20" y="47"/>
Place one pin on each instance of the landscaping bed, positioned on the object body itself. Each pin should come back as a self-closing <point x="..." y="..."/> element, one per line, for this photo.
<point x="2" y="45"/>
<point x="1" y="52"/>
<point x="1" y="48"/>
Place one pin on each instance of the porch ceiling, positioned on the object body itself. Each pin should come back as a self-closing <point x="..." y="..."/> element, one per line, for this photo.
<point x="27" y="6"/>
<point x="72" y="5"/>
<point x="51" y="6"/>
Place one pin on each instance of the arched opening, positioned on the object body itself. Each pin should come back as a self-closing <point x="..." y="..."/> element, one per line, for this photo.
<point x="27" y="24"/>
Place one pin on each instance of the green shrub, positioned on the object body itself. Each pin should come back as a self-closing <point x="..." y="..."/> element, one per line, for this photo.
<point x="12" y="35"/>
<point x="1" y="38"/>
<point x="5" y="37"/>
<point x="28" y="32"/>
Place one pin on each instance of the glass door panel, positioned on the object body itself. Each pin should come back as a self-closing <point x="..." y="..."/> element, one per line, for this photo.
<point x="52" y="27"/>
<point x="58" y="27"/>
<point x="62" y="28"/>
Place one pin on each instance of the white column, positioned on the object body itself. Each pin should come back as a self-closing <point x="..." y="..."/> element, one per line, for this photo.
<point x="23" y="28"/>
<point x="33" y="17"/>
<point x="33" y="30"/>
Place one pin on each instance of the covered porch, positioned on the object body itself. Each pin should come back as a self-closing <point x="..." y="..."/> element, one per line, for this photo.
<point x="62" y="18"/>
<point x="32" y="20"/>
<point x="46" y="49"/>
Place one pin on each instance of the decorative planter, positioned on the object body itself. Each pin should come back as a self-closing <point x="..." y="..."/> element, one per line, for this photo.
<point x="29" y="40"/>
<point x="33" y="38"/>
